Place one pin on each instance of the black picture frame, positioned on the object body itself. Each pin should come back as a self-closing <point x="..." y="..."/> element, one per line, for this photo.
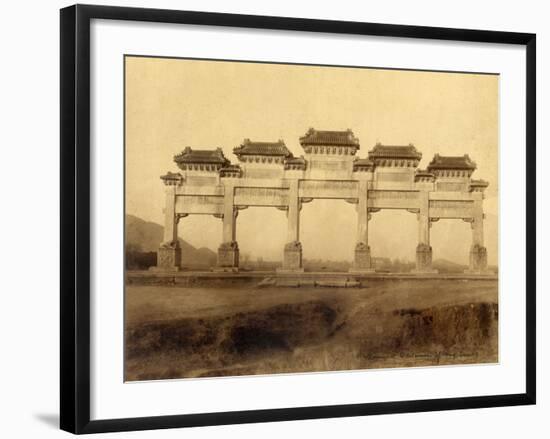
<point x="75" y="217"/>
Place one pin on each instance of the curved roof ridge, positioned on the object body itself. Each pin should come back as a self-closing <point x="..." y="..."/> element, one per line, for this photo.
<point x="330" y="138"/>
<point x="249" y="147"/>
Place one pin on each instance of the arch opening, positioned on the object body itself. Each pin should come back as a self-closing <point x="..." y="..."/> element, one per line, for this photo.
<point x="393" y="237"/>
<point x="199" y="237"/>
<point x="328" y="233"/>
<point x="261" y="233"/>
<point x="450" y="240"/>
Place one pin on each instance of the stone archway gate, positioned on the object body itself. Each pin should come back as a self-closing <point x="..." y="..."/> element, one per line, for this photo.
<point x="269" y="175"/>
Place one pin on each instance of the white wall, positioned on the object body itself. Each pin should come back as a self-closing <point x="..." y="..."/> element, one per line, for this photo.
<point x="30" y="205"/>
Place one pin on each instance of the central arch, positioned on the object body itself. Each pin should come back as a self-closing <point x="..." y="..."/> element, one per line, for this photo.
<point x="328" y="233"/>
<point x="261" y="234"/>
<point x="393" y="237"/>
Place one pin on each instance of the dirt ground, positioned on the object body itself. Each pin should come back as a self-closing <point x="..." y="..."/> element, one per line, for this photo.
<point x="245" y="329"/>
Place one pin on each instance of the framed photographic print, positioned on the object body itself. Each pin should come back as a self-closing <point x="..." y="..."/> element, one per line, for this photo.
<point x="267" y="218"/>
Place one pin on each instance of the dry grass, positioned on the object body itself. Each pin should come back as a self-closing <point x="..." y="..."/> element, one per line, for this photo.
<point x="177" y="332"/>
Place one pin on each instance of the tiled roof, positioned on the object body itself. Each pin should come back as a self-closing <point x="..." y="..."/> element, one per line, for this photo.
<point x="231" y="167"/>
<point x="262" y="148"/>
<point x="231" y="171"/>
<point x="448" y="162"/>
<point x="330" y="138"/>
<point x="295" y="160"/>
<point x="202" y="156"/>
<point x="362" y="163"/>
<point x="423" y="173"/>
<point x="395" y="152"/>
<point x="172" y="178"/>
<point x="295" y="163"/>
<point x="480" y="183"/>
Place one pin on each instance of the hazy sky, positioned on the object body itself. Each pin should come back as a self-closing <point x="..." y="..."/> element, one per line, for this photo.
<point x="172" y="103"/>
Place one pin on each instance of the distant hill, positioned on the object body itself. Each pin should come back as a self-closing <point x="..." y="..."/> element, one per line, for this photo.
<point x="142" y="235"/>
<point x="145" y="236"/>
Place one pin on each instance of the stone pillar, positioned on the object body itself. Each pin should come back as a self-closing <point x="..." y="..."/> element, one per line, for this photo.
<point x="228" y="251"/>
<point x="362" y="261"/>
<point x="169" y="252"/>
<point x="424" y="249"/>
<point x="292" y="257"/>
<point x="478" y="252"/>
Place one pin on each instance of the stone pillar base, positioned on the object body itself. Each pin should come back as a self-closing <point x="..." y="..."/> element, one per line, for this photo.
<point x="228" y="256"/>
<point x="292" y="258"/>
<point x="423" y="259"/>
<point x="168" y="257"/>
<point x="225" y="269"/>
<point x="478" y="260"/>
<point x="362" y="262"/>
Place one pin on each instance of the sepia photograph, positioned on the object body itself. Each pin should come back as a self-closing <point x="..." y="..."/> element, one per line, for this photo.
<point x="293" y="218"/>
